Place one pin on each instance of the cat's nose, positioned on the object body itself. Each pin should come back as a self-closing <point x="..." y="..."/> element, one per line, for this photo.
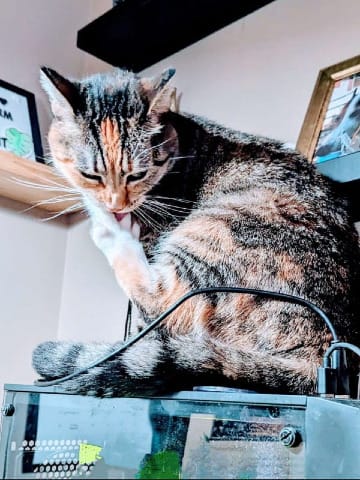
<point x="115" y="203"/>
<point x="114" y="208"/>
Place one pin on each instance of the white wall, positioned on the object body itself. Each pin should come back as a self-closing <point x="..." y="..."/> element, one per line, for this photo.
<point x="32" y="253"/>
<point x="93" y="307"/>
<point x="43" y="32"/>
<point x="32" y="257"/>
<point x="258" y="74"/>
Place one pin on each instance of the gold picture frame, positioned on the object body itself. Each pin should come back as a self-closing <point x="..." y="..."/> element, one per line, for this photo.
<point x="328" y="109"/>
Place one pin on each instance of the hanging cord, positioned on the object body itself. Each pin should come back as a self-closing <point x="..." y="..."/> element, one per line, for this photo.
<point x="127" y="328"/>
<point x="282" y="297"/>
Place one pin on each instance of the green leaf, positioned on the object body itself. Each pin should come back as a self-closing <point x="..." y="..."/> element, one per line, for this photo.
<point x="18" y="142"/>
<point x="161" y="465"/>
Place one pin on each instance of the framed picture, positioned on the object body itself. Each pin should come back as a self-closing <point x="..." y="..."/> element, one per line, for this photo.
<point x="330" y="135"/>
<point x="19" y="126"/>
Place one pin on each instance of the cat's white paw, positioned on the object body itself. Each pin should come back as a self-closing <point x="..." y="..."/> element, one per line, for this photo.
<point x="104" y="238"/>
<point x="110" y="236"/>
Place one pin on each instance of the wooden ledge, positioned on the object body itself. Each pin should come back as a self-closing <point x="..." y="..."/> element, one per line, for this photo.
<point x="22" y="180"/>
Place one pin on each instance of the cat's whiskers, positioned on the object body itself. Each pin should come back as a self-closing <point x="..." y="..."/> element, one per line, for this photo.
<point x="156" y="209"/>
<point x="150" y="130"/>
<point x="182" y="157"/>
<point x="147" y="150"/>
<point x="136" y="148"/>
<point x="147" y="219"/>
<point x="170" y="198"/>
<point x="54" y="186"/>
<point x="168" y="209"/>
<point x="161" y="210"/>
<point x="170" y="206"/>
<point x="53" y="200"/>
<point x="72" y="208"/>
<point x="138" y="143"/>
<point x="138" y="213"/>
<point x="149" y="214"/>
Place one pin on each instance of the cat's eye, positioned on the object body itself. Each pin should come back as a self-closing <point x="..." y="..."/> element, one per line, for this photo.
<point x="134" y="177"/>
<point x="90" y="176"/>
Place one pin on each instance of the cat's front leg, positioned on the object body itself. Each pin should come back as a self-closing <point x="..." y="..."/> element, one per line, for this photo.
<point x="119" y="242"/>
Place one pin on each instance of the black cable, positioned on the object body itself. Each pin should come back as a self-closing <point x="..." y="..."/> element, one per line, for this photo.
<point x="127" y="327"/>
<point x="338" y="346"/>
<point x="283" y="297"/>
<point x="333" y="376"/>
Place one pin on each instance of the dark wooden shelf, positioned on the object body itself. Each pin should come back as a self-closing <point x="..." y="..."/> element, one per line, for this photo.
<point x="138" y="33"/>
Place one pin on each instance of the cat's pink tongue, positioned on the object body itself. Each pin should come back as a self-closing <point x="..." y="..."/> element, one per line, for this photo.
<point x="120" y="216"/>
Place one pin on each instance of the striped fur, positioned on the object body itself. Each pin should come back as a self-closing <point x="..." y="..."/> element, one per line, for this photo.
<point x="215" y="207"/>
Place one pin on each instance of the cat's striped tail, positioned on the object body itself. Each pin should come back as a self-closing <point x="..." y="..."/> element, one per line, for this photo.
<point x="159" y="364"/>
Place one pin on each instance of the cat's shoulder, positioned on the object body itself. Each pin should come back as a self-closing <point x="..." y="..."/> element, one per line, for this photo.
<point x="237" y="136"/>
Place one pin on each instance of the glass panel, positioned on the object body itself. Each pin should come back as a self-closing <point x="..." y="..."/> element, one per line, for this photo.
<point x="65" y="436"/>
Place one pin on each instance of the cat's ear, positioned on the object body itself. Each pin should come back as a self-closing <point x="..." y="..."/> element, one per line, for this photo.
<point x="63" y="94"/>
<point x="159" y="94"/>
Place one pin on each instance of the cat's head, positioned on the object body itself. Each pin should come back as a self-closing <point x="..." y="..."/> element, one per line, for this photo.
<point x="107" y="136"/>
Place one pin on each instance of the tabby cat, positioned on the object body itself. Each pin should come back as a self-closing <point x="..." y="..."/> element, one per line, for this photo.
<point x="215" y="207"/>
